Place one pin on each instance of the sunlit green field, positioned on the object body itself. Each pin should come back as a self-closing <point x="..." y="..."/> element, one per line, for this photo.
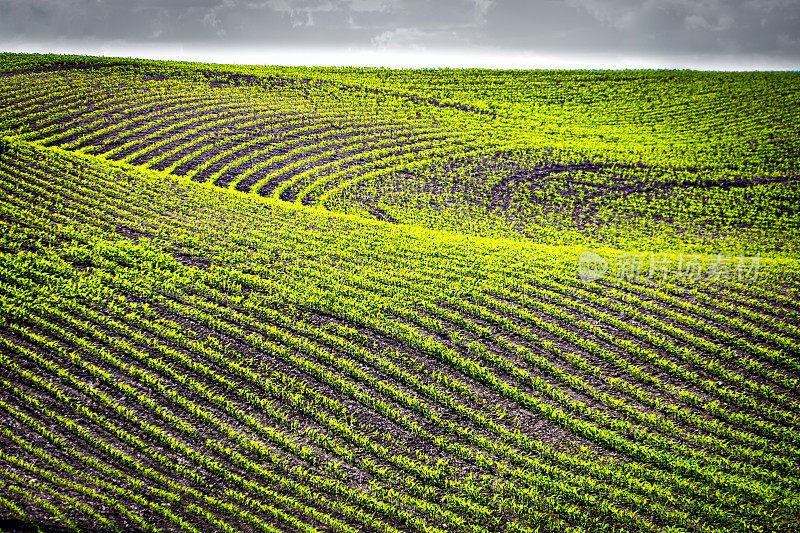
<point x="293" y="299"/>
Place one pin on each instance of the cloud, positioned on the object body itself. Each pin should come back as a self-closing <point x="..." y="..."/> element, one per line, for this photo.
<point x="417" y="38"/>
<point x="301" y="12"/>
<point x="373" y="6"/>
<point x="633" y="27"/>
<point x="482" y="8"/>
<point x="699" y="22"/>
<point x="700" y="26"/>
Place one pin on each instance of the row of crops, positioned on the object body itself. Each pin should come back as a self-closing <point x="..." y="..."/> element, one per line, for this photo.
<point x="284" y="136"/>
<point x="679" y="118"/>
<point x="318" y="372"/>
<point x="381" y="145"/>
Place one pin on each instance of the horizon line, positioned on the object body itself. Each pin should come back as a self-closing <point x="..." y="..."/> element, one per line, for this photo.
<point x="413" y="58"/>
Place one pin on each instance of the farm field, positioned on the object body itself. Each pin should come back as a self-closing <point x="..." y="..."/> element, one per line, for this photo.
<point x="240" y="298"/>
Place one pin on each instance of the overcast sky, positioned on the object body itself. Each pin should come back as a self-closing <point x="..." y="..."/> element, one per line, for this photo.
<point x="723" y="34"/>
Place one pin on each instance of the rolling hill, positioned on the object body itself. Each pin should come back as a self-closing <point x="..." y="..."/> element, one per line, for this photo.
<point x="269" y="299"/>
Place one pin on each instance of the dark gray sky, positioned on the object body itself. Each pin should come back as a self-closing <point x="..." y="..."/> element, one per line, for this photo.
<point x="730" y="34"/>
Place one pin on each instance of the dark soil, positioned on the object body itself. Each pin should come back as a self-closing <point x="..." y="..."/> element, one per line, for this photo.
<point x="119" y="139"/>
<point x="19" y="526"/>
<point x="269" y="186"/>
<point x="380" y="214"/>
<point x="291" y="193"/>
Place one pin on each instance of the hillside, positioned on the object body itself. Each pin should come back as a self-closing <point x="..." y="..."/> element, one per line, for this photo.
<point x="274" y="299"/>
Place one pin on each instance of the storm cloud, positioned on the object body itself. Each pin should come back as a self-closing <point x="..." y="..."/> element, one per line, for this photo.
<point x="753" y="30"/>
